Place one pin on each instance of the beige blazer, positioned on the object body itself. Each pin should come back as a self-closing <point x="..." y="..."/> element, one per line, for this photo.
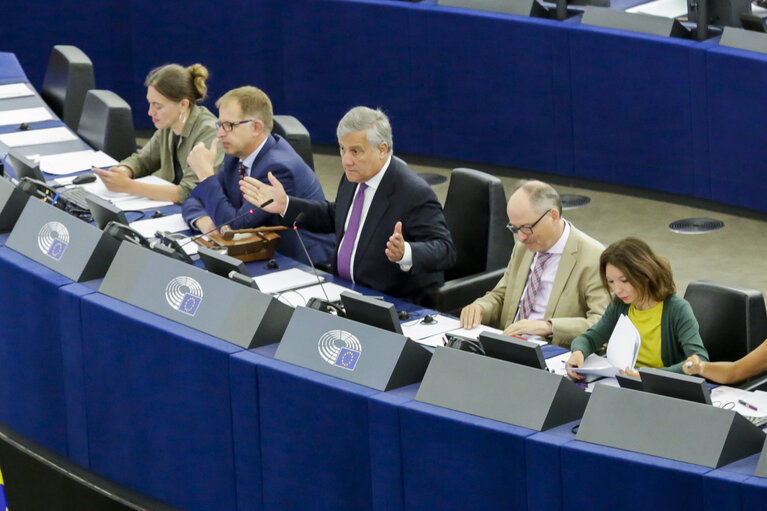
<point x="577" y="299"/>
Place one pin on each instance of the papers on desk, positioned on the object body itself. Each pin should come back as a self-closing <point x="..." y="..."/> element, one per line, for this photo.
<point x="68" y="163"/>
<point x="37" y="137"/>
<point x="665" y="8"/>
<point x="556" y="364"/>
<point x="15" y="90"/>
<point x="170" y="223"/>
<point x="301" y="296"/>
<point x="277" y="282"/>
<point x="11" y="117"/>
<point x="126" y="201"/>
<point x="723" y="395"/>
<point x="622" y="351"/>
<point x="432" y="333"/>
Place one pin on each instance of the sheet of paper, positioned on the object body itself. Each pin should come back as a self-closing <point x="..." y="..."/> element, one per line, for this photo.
<point x="15" y="90"/>
<point x="624" y="343"/>
<point x="557" y="364"/>
<point x="416" y="329"/>
<point x="67" y="163"/>
<point x="433" y="341"/>
<point x="723" y="395"/>
<point x="665" y="8"/>
<point x="597" y="366"/>
<point x="37" y="137"/>
<point x="170" y="223"/>
<point x="293" y="278"/>
<point x="300" y="297"/>
<point x="126" y="201"/>
<point x="11" y="117"/>
<point x="474" y="334"/>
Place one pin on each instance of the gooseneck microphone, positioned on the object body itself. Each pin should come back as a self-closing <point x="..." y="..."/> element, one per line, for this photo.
<point x="316" y="303"/>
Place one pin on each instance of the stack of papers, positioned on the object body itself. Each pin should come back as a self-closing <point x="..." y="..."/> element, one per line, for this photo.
<point x="126" y="201"/>
<point x="277" y="282"/>
<point x="11" y="117"/>
<point x="15" y="90"/>
<point x="68" y="163"/>
<point x="301" y="296"/>
<point x="170" y="223"/>
<point x="665" y="8"/>
<point x="37" y="137"/>
<point x="622" y="351"/>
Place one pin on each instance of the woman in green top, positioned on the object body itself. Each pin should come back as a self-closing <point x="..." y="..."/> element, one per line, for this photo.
<point x="173" y="92"/>
<point x="643" y="288"/>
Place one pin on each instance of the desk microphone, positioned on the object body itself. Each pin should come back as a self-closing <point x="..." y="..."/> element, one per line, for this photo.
<point x="248" y="212"/>
<point x="316" y="303"/>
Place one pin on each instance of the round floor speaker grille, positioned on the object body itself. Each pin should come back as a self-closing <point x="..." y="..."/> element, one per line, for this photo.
<point x="696" y="225"/>
<point x="432" y="179"/>
<point x="572" y="201"/>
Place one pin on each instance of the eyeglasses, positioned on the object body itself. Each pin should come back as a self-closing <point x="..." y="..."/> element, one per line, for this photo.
<point x="526" y="229"/>
<point x="229" y="126"/>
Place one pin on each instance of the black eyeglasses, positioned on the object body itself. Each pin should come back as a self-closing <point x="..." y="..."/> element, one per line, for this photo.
<point x="526" y="229"/>
<point x="229" y="126"/>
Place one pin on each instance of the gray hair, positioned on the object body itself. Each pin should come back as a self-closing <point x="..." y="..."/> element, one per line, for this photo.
<point x="374" y="122"/>
<point x="542" y="196"/>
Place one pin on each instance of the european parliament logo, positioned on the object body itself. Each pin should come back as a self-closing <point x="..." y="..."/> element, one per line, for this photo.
<point x="184" y="294"/>
<point x="53" y="240"/>
<point x="340" y="348"/>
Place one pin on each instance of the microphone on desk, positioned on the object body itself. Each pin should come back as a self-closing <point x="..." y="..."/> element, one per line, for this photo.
<point x="317" y="303"/>
<point x="248" y="212"/>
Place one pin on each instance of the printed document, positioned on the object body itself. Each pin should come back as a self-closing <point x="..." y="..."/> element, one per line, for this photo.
<point x="11" y="117"/>
<point x="15" y="90"/>
<point x="622" y="351"/>
<point x="37" y="137"/>
<point x="76" y="161"/>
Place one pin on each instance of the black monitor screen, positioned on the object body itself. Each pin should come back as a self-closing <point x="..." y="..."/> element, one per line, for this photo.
<point x="371" y="311"/>
<point x="680" y="386"/>
<point x="104" y="211"/>
<point x="23" y="167"/>
<point x="220" y="264"/>
<point x="511" y="349"/>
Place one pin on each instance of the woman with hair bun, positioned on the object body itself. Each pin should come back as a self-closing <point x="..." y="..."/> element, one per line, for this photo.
<point x="643" y="289"/>
<point x="173" y="92"/>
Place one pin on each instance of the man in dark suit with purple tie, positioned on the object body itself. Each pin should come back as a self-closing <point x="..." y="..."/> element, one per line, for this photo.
<point x="389" y="228"/>
<point x="244" y="129"/>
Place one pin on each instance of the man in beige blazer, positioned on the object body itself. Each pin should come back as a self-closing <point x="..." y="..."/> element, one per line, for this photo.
<point x="551" y="287"/>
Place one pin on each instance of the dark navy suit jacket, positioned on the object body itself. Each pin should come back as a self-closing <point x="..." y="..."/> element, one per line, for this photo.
<point x="401" y="196"/>
<point x="220" y="198"/>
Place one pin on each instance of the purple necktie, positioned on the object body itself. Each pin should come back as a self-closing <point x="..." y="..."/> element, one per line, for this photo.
<point x="243" y="170"/>
<point x="347" y="244"/>
<point x="534" y="283"/>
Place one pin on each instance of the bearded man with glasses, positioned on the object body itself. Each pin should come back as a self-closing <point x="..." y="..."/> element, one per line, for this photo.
<point x="551" y="288"/>
<point x="244" y="125"/>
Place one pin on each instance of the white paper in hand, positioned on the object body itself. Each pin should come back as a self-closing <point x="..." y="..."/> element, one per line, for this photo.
<point x="622" y="351"/>
<point x="624" y="343"/>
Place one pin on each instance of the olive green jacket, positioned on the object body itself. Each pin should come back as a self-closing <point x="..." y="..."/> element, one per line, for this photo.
<point x="156" y="157"/>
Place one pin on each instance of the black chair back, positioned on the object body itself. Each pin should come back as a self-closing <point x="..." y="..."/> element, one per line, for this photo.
<point x="291" y="129"/>
<point x="732" y="319"/>
<point x="107" y="124"/>
<point x="68" y="77"/>
<point x="475" y="211"/>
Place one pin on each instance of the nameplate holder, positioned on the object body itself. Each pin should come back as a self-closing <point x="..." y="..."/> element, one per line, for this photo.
<point x="12" y="202"/>
<point x="351" y="350"/>
<point x="744" y="39"/>
<point x="500" y="390"/>
<point x="194" y="297"/>
<point x="515" y="7"/>
<point x="667" y="427"/>
<point x="62" y="242"/>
